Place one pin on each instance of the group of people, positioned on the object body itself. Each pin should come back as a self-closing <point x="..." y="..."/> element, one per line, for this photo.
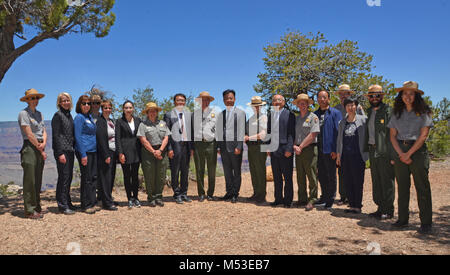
<point x="326" y="144"/>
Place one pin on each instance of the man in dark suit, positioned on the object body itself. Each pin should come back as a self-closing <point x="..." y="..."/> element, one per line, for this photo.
<point x="230" y="132"/>
<point x="179" y="122"/>
<point x="281" y="128"/>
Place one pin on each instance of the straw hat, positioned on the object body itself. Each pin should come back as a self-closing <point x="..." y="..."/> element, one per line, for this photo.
<point x="375" y="89"/>
<point x="205" y="94"/>
<point x="30" y="93"/>
<point x="410" y="85"/>
<point x="149" y="106"/>
<point x="344" y="88"/>
<point x="303" y="97"/>
<point x="256" y="101"/>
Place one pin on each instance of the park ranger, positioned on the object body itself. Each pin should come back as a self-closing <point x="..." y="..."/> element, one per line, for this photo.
<point x="379" y="146"/>
<point x="409" y="128"/>
<point x="205" y="146"/>
<point x="344" y="91"/>
<point x="154" y="136"/>
<point x="307" y="127"/>
<point x="255" y="134"/>
<point x="32" y="154"/>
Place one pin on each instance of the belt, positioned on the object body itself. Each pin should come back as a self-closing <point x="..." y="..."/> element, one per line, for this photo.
<point x="407" y="142"/>
<point x="258" y="142"/>
<point x="372" y="145"/>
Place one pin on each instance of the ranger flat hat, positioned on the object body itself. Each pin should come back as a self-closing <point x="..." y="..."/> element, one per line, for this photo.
<point x="303" y="97"/>
<point x="205" y="94"/>
<point x="149" y="106"/>
<point x="256" y="101"/>
<point x="344" y="88"/>
<point x="375" y="89"/>
<point x="30" y="93"/>
<point x="410" y="85"/>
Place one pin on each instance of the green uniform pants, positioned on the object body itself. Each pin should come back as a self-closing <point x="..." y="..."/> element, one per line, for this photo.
<point x="306" y="167"/>
<point x="383" y="182"/>
<point x="257" y="164"/>
<point x="154" y="174"/>
<point x="205" y="152"/>
<point x="33" y="167"/>
<point x="419" y="170"/>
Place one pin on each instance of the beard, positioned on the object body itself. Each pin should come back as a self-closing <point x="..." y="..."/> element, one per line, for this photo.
<point x="375" y="104"/>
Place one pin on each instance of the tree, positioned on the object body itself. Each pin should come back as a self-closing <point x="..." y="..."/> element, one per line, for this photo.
<point x="50" y="19"/>
<point x="439" y="139"/>
<point x="308" y="64"/>
<point x="105" y="95"/>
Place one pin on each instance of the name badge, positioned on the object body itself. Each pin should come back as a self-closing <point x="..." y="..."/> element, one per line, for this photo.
<point x="88" y="121"/>
<point x="382" y="121"/>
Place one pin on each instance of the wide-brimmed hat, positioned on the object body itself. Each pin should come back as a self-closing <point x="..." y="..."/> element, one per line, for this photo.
<point x="256" y="101"/>
<point x="344" y="88"/>
<point x="149" y="106"/>
<point x="375" y="89"/>
<point x="410" y="85"/>
<point x="303" y="97"/>
<point x="205" y="94"/>
<point x="30" y="93"/>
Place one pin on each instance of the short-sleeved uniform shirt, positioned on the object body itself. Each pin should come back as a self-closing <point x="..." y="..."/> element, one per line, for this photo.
<point x="204" y="125"/>
<point x="153" y="132"/>
<point x="409" y="124"/>
<point x="256" y="124"/>
<point x="34" y="120"/>
<point x="306" y="125"/>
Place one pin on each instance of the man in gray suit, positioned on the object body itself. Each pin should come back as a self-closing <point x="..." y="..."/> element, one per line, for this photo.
<point x="230" y="132"/>
<point x="180" y="145"/>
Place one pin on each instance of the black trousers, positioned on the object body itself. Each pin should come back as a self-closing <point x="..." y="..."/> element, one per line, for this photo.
<point x="283" y="167"/>
<point x="179" y="168"/>
<point x="88" y="183"/>
<point x="131" y="179"/>
<point x="106" y="178"/>
<point x="232" y="169"/>
<point x="327" y="178"/>
<point x="353" y="168"/>
<point x="65" y="175"/>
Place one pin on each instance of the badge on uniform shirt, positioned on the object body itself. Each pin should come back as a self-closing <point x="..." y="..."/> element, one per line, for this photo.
<point x="307" y="120"/>
<point x="213" y="115"/>
<point x="382" y="121"/>
<point x="161" y="125"/>
<point x="316" y="119"/>
<point x="417" y="114"/>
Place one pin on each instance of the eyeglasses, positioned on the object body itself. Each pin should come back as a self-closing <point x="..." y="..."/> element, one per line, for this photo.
<point x="374" y="96"/>
<point x="96" y="103"/>
<point x="85" y="103"/>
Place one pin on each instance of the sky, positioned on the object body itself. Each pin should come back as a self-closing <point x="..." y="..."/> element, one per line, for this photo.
<point x="214" y="45"/>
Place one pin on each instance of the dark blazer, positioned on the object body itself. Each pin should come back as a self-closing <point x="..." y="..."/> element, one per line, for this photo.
<point x="239" y="120"/>
<point x="103" y="151"/>
<point x="63" y="139"/>
<point x="127" y="142"/>
<point x="286" y="131"/>
<point x="171" y="120"/>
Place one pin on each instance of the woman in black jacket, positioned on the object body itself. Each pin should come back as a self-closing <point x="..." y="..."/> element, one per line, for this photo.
<point x="63" y="150"/>
<point x="128" y="149"/>
<point x="106" y="154"/>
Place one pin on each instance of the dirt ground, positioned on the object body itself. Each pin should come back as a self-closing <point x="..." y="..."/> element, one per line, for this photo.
<point x="225" y="228"/>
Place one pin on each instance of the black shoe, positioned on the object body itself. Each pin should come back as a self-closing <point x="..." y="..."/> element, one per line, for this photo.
<point x="399" y="224"/>
<point x="289" y="205"/>
<point x="160" y="202"/>
<point x="67" y="211"/>
<point x="234" y="199"/>
<point x="275" y="203"/>
<point x="226" y="197"/>
<point x="319" y="204"/>
<point x="259" y="201"/>
<point x="185" y="198"/>
<point x="301" y="204"/>
<point x="73" y="207"/>
<point x="386" y="216"/>
<point x="111" y="208"/>
<point x="210" y="198"/>
<point x="179" y="200"/>
<point x="130" y="204"/>
<point x="376" y="215"/>
<point x="116" y="203"/>
<point x="425" y="229"/>
<point x="201" y="198"/>
<point x="137" y="203"/>
<point x="252" y="198"/>
<point x="152" y="204"/>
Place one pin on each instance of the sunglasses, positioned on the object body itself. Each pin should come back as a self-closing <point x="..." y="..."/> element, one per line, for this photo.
<point x="96" y="103"/>
<point x="374" y="96"/>
<point x="33" y="98"/>
<point x="85" y="103"/>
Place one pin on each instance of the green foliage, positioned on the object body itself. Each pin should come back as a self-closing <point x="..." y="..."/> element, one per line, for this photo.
<point x="308" y="64"/>
<point x="439" y="139"/>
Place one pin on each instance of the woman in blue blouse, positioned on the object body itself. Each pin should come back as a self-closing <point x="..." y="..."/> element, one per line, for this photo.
<point x="86" y="152"/>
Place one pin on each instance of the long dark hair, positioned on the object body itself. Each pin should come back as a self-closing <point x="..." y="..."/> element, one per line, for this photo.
<point x="419" y="105"/>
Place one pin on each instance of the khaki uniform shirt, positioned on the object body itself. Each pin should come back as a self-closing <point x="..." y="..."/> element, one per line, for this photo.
<point x="153" y="132"/>
<point x="306" y="125"/>
<point x="409" y="124"/>
<point x="34" y="120"/>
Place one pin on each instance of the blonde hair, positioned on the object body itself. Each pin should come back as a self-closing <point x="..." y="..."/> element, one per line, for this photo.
<point x="58" y="100"/>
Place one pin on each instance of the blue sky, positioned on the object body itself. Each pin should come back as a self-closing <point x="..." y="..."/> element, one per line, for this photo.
<point x="191" y="46"/>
